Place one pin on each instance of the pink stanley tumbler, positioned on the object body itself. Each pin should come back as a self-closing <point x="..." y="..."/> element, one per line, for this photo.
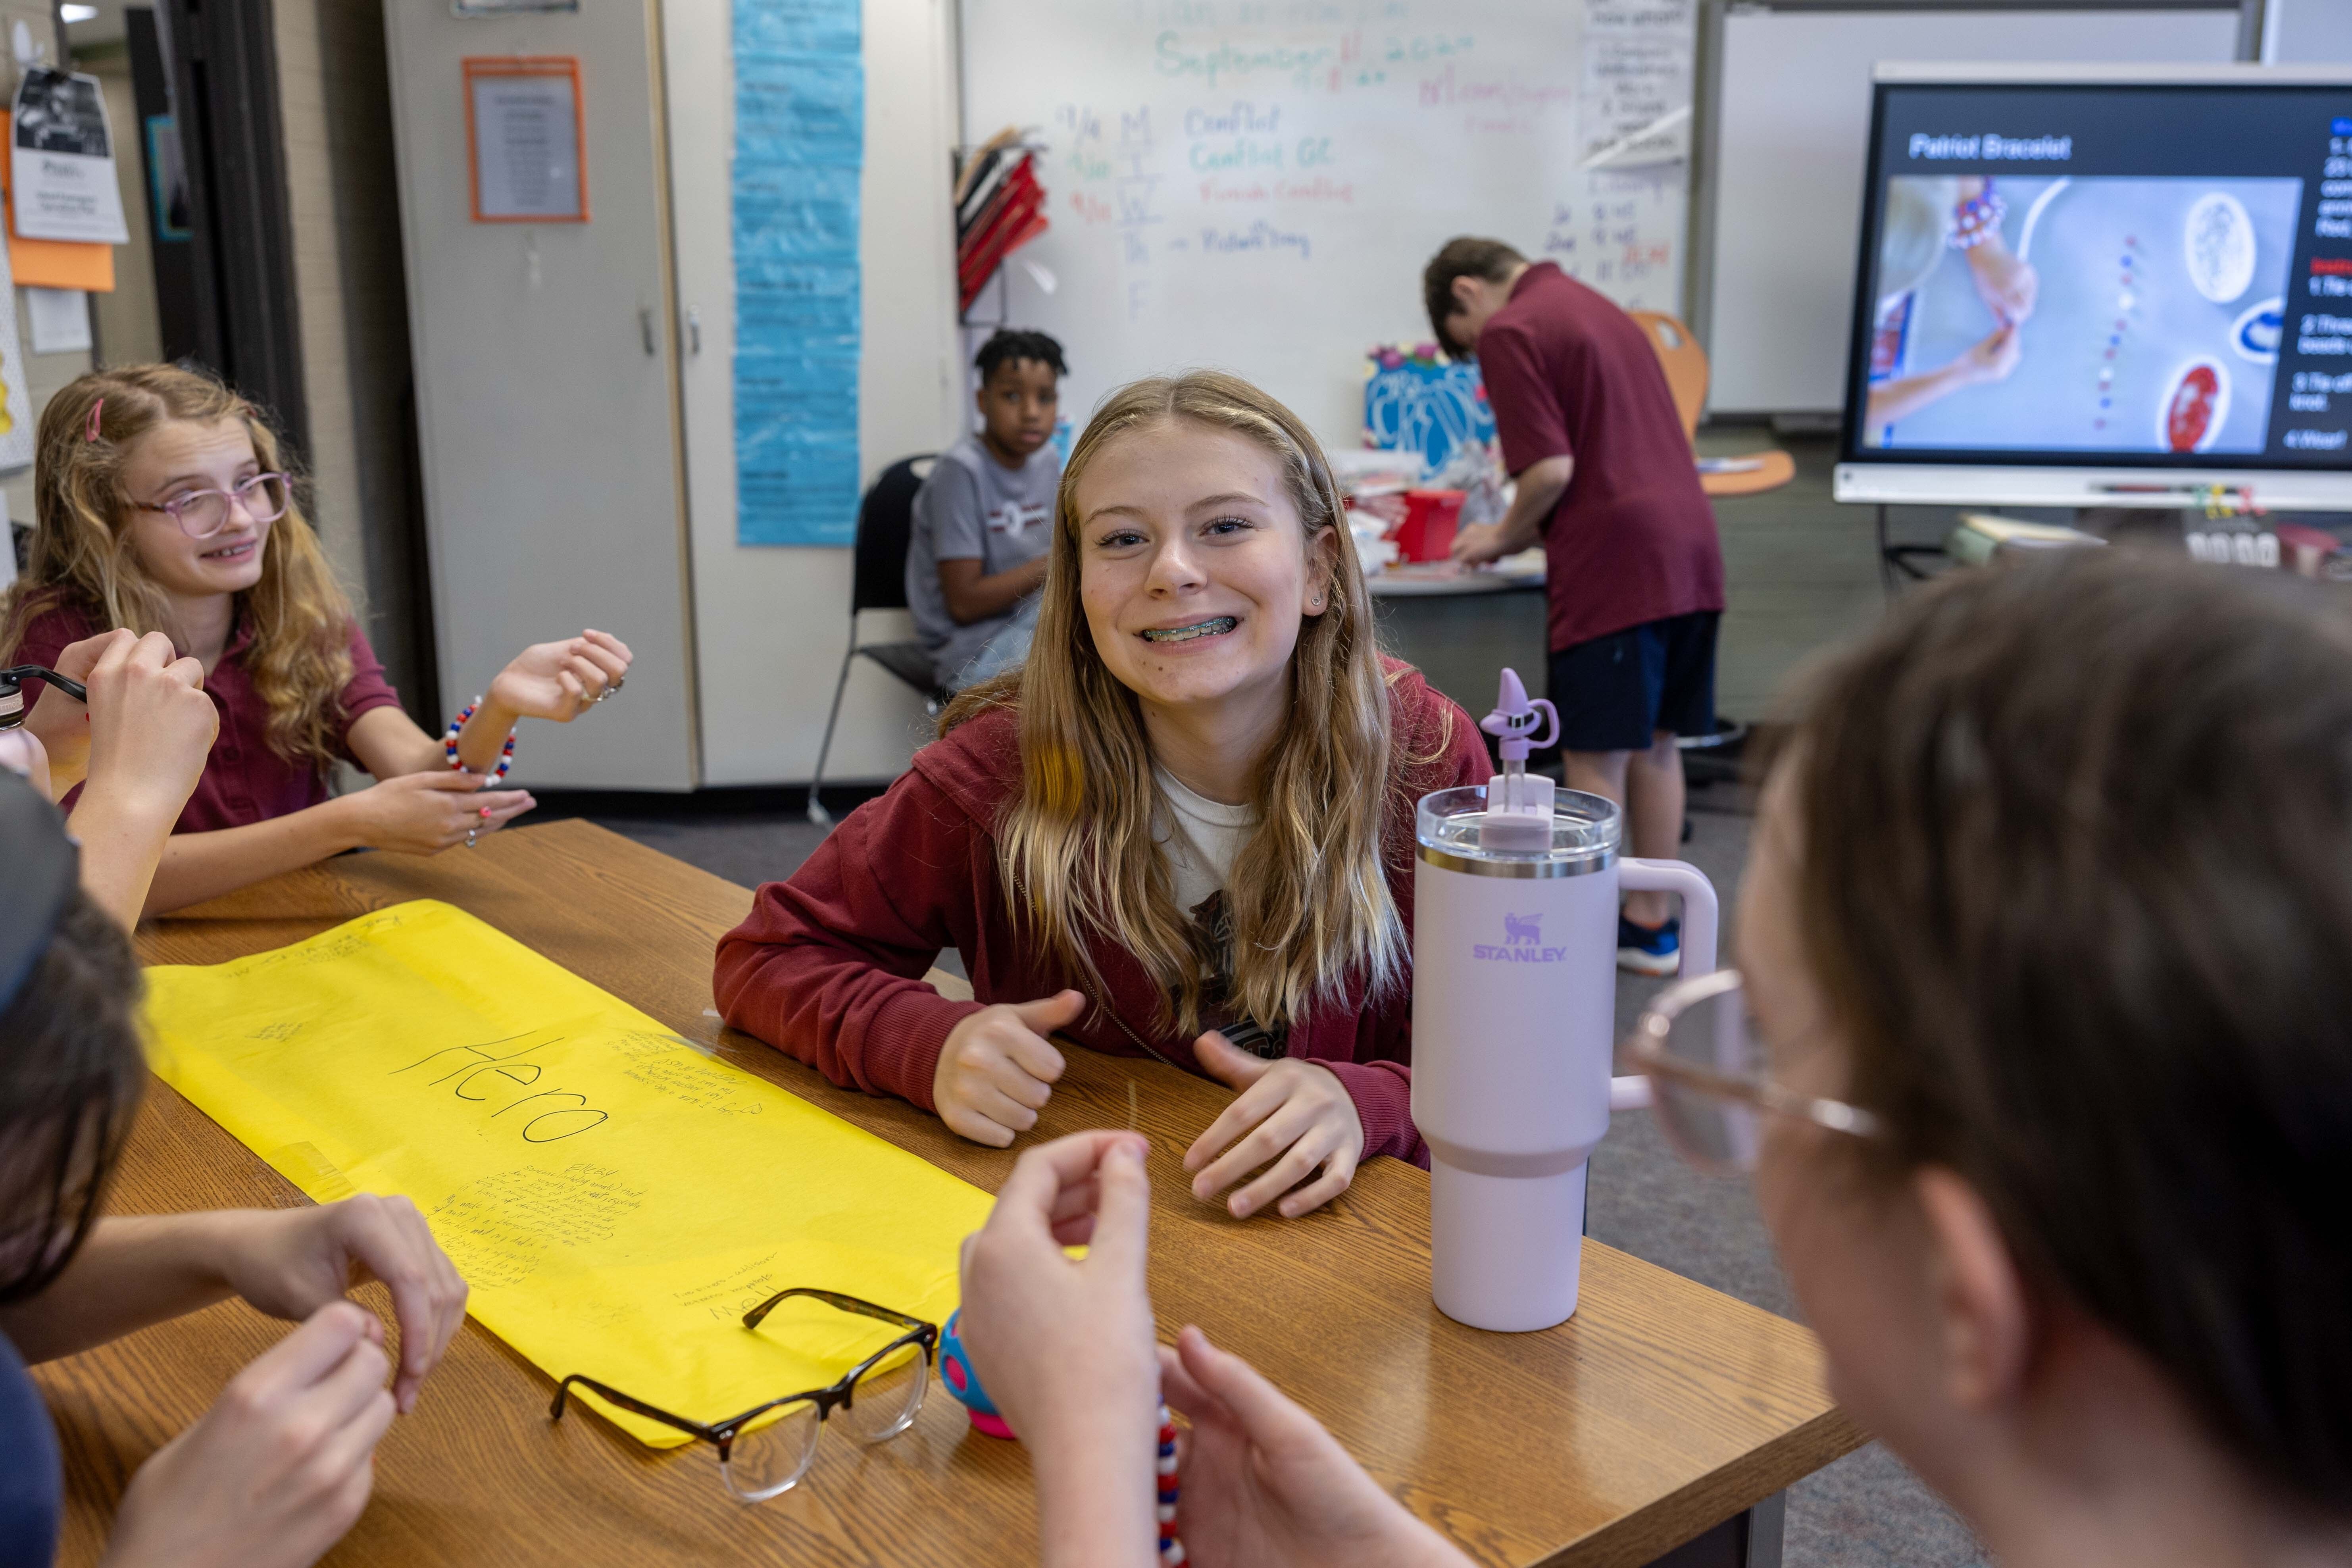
<point x="1514" y="1019"/>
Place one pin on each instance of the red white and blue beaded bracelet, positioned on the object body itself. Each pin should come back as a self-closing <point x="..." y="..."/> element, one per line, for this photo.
<point x="1977" y="219"/>
<point x="1166" y="1492"/>
<point x="449" y="741"/>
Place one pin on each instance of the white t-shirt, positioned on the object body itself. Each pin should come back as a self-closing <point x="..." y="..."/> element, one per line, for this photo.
<point x="1201" y="837"/>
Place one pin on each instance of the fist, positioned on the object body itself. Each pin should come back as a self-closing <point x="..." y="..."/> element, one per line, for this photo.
<point x="997" y="1070"/>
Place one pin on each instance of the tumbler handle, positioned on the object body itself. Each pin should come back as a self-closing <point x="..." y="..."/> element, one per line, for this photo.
<point x="1700" y="924"/>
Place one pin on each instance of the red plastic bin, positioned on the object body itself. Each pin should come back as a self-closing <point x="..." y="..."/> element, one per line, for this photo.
<point x="1429" y="519"/>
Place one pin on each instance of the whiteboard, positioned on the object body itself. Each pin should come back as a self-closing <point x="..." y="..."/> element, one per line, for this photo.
<point x="1256" y="184"/>
<point x="1788" y="137"/>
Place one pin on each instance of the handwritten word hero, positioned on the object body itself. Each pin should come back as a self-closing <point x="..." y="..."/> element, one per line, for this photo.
<point x="476" y="1073"/>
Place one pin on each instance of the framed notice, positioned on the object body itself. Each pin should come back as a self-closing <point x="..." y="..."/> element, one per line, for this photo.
<point x="525" y="128"/>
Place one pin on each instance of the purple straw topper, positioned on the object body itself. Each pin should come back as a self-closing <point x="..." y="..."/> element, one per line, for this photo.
<point x="1515" y="717"/>
<point x="1519" y="807"/>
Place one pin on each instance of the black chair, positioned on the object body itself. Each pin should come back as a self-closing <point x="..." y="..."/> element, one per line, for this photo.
<point x="886" y="519"/>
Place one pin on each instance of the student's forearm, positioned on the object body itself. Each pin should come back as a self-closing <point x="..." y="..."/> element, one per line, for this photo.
<point x="200" y="865"/>
<point x="1895" y="401"/>
<point x="973" y="598"/>
<point x="1540" y="486"/>
<point x="122" y="844"/>
<point x="130" y="1273"/>
<point x="1095" y="1500"/>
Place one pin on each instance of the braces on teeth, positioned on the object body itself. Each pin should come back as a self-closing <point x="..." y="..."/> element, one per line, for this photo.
<point x="1186" y="634"/>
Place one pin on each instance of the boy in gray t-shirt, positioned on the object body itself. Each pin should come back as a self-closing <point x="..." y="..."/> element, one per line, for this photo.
<point x="985" y="518"/>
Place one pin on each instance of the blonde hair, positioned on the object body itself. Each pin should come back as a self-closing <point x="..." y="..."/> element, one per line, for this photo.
<point x="82" y="555"/>
<point x="1308" y="893"/>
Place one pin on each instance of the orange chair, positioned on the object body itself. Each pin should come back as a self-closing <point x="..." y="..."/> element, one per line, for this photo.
<point x="1685" y="362"/>
<point x="1685" y="366"/>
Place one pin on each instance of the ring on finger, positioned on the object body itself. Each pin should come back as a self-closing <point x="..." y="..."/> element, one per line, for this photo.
<point x="470" y="837"/>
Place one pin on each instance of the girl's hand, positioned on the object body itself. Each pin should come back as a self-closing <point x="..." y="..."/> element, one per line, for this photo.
<point x="559" y="680"/>
<point x="424" y="814"/>
<point x="998" y="1069"/>
<point x="1265" y="1485"/>
<point x="149" y="727"/>
<point x="292" y="1262"/>
<point x="2008" y="287"/>
<point x="1992" y="358"/>
<point x="278" y="1468"/>
<point x="1294" y="1114"/>
<point x="62" y="723"/>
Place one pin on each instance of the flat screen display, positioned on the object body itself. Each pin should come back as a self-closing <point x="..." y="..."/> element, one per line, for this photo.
<point x="2105" y="275"/>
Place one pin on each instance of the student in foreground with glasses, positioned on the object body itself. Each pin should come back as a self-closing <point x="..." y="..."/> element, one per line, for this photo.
<point x="273" y="1474"/>
<point x="2046" y="948"/>
<point x="160" y="506"/>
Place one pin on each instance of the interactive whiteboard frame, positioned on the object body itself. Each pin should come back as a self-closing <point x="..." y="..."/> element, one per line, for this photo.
<point x="2156" y="482"/>
<point x="1784" y="97"/>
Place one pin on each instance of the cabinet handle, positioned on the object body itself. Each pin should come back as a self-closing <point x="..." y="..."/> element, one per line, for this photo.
<point x="645" y="325"/>
<point x="694" y="331"/>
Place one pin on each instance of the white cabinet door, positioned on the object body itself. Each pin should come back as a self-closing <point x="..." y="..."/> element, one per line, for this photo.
<point x="547" y="377"/>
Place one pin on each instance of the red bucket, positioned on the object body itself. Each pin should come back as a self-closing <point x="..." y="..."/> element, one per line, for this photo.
<point x="1430" y="518"/>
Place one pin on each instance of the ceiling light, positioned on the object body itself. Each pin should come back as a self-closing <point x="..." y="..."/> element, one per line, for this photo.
<point x="78" y="13"/>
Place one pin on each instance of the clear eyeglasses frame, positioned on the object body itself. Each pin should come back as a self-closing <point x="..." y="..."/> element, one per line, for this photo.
<point x="765" y="1451"/>
<point x="203" y="513"/>
<point x="1697" y="1045"/>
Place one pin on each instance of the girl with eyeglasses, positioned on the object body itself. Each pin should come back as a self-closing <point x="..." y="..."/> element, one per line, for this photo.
<point x="163" y="505"/>
<point x="2040" y="1053"/>
<point x="1182" y="829"/>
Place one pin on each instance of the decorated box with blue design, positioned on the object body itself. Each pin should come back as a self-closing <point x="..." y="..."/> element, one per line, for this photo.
<point x="1415" y="402"/>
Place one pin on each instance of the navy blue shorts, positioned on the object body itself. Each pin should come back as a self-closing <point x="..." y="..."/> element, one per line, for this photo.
<point x="1615" y="692"/>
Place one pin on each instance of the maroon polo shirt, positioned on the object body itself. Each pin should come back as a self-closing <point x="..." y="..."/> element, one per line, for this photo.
<point x="1568" y="374"/>
<point x="245" y="780"/>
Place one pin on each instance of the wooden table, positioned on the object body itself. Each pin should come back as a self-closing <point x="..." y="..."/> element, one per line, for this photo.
<point x="1660" y="1410"/>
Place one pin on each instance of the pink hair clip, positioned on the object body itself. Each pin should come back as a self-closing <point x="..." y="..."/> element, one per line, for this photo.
<point x="95" y="410"/>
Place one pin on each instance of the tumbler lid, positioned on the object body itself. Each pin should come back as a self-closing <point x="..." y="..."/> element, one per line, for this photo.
<point x="1585" y="831"/>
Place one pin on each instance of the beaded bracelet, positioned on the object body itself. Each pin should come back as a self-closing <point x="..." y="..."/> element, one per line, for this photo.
<point x="1171" y="1550"/>
<point x="449" y="741"/>
<point x="1979" y="219"/>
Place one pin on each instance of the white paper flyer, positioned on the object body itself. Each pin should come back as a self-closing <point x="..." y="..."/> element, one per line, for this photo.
<point x="61" y="161"/>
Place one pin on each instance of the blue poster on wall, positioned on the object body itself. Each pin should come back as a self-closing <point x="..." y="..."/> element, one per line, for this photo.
<point x="800" y="145"/>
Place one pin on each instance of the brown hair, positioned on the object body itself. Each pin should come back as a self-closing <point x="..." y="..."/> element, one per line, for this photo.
<point x="82" y="556"/>
<point x="2077" y="882"/>
<point x="72" y="1071"/>
<point x="1462" y="257"/>
<point x="1309" y="895"/>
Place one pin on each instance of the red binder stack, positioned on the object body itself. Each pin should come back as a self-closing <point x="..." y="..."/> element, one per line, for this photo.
<point x="1000" y="206"/>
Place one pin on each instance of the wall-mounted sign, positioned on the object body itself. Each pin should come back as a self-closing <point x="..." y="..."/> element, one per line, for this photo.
<point x="525" y="127"/>
<point x="61" y="164"/>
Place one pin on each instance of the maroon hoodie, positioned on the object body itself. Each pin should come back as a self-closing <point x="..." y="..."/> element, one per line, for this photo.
<point x="828" y="967"/>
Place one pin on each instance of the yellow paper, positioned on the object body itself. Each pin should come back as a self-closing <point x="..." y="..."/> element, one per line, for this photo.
<point x="616" y="1197"/>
